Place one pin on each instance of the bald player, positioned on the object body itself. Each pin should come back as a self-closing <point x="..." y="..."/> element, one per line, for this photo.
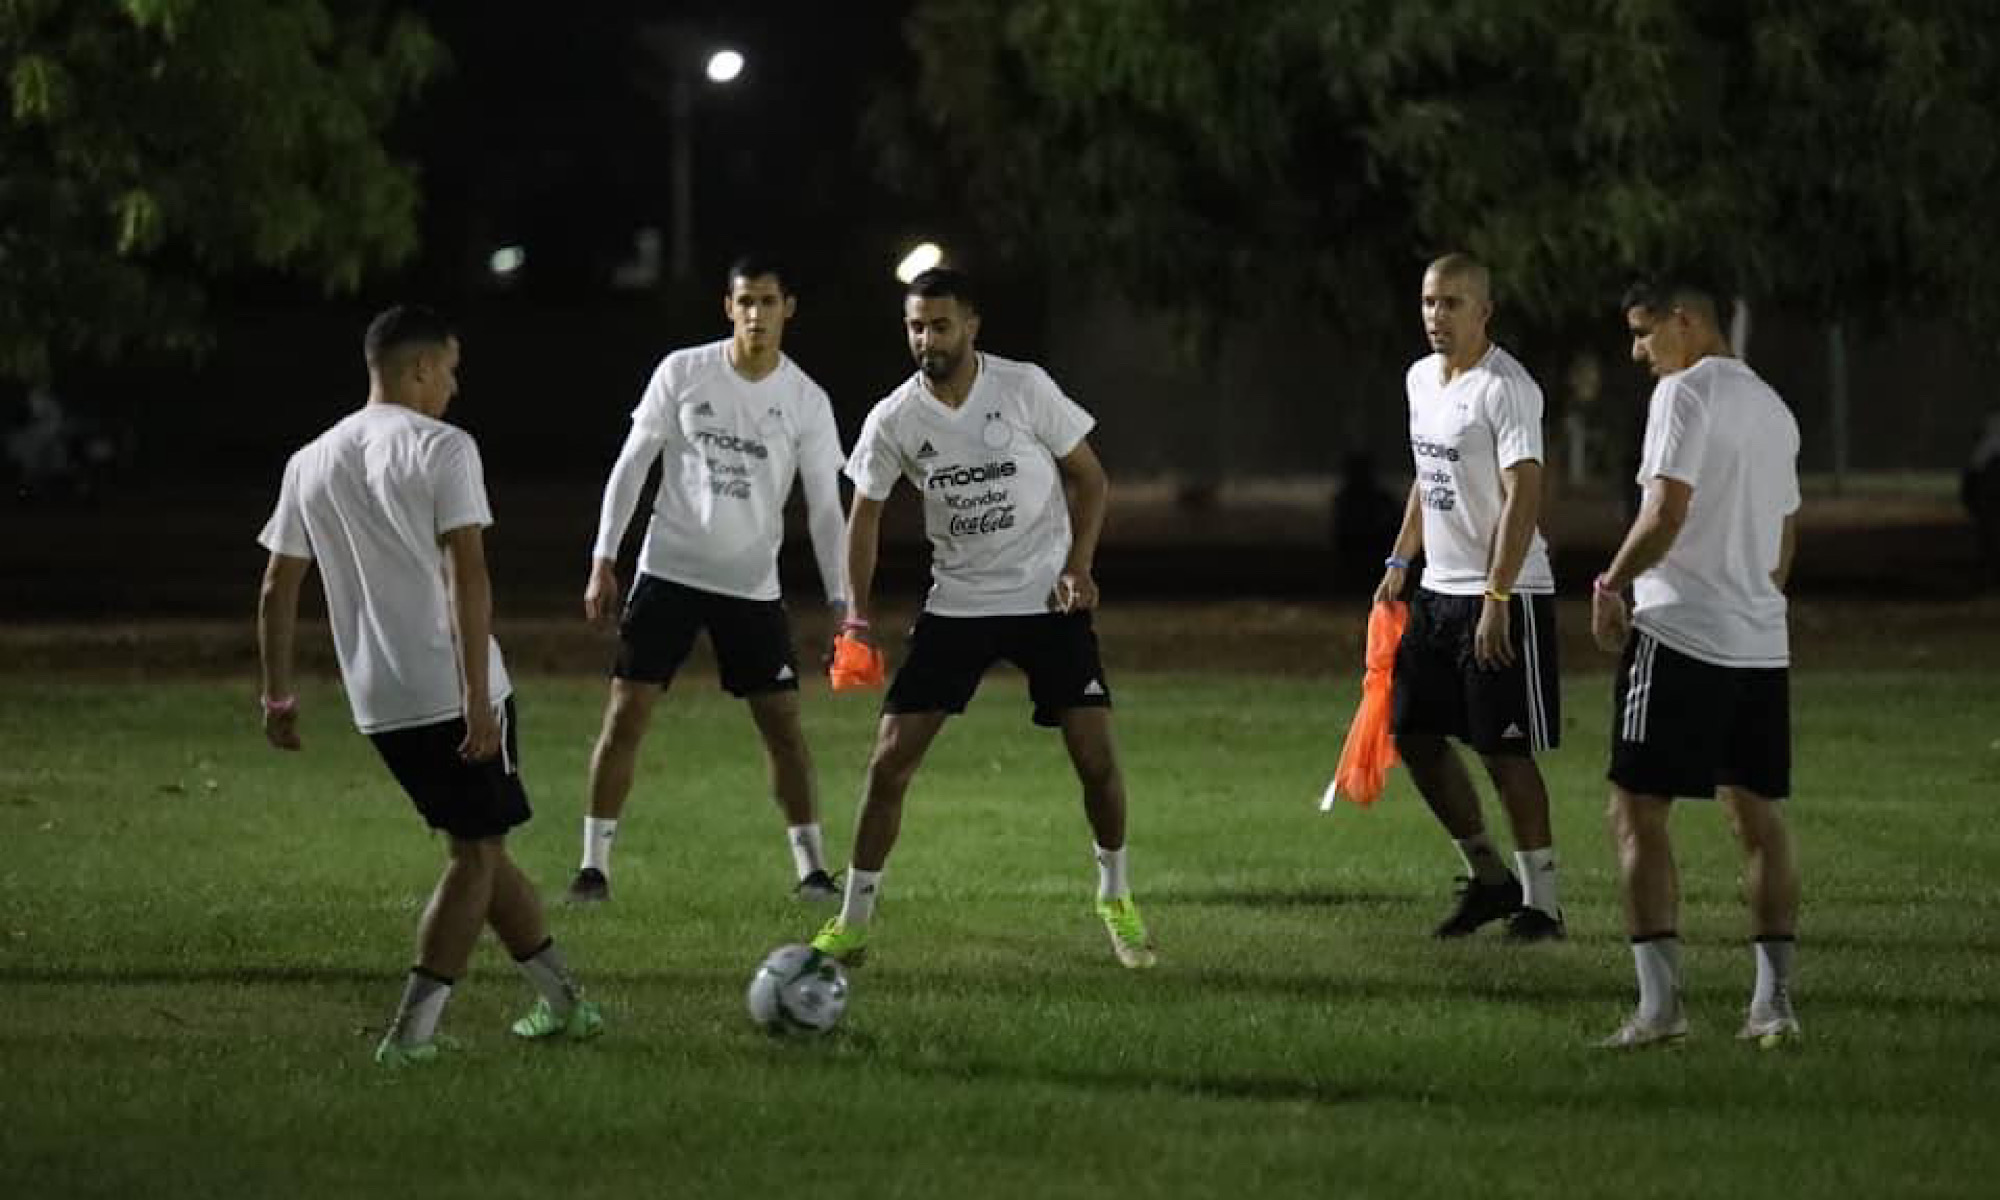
<point x="1478" y="659"/>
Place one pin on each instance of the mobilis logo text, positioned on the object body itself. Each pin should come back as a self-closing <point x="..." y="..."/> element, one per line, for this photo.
<point x="729" y="441"/>
<point x="1426" y="449"/>
<point x="944" y="477"/>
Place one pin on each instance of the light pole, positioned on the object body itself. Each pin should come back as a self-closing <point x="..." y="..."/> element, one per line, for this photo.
<point x="722" y="67"/>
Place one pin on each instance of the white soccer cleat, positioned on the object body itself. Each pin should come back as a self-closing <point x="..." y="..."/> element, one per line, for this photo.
<point x="1638" y="1034"/>
<point x="1769" y="1030"/>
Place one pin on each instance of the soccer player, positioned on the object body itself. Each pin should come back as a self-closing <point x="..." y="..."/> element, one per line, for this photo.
<point x="1701" y="703"/>
<point x="731" y="423"/>
<point x="1478" y="659"/>
<point x="989" y="445"/>
<point x="390" y="502"/>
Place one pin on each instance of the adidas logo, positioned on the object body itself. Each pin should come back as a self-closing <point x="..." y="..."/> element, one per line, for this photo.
<point x="785" y="672"/>
<point x="927" y="451"/>
<point x="1095" y="689"/>
<point x="704" y="409"/>
<point x="1512" y="731"/>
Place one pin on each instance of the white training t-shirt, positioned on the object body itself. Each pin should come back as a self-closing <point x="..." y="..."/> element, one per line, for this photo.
<point x="993" y="497"/>
<point x="369" y="500"/>
<point x="1720" y="429"/>
<point x="1463" y="434"/>
<point x="728" y="450"/>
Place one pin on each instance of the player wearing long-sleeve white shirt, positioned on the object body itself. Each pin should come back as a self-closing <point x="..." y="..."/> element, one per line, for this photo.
<point x="731" y="425"/>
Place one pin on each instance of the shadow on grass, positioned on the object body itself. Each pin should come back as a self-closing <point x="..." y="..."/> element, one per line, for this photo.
<point x="1077" y="982"/>
<point x="1273" y="898"/>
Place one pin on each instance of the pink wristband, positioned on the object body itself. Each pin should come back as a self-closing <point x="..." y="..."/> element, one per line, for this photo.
<point x="854" y="623"/>
<point x="1597" y="585"/>
<point x="280" y="706"/>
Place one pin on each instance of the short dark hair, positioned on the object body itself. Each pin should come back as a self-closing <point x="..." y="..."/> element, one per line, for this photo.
<point x="1664" y="293"/>
<point x="403" y="326"/>
<point x="751" y="266"/>
<point x="944" y="283"/>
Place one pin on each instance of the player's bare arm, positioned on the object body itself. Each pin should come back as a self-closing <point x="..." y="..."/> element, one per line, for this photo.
<point x="472" y="616"/>
<point x="277" y="628"/>
<point x="1491" y="644"/>
<point x="826" y="523"/>
<point x="1661" y="515"/>
<point x="864" y="531"/>
<point x="1409" y="543"/>
<point x="1788" y="543"/>
<point x="1087" y="491"/>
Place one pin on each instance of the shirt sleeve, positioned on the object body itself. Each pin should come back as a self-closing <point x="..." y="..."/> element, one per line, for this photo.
<point x="1792" y="498"/>
<point x="461" y="484"/>
<point x="1676" y="435"/>
<point x="1058" y="421"/>
<point x="655" y="411"/>
<point x="1515" y="411"/>
<point x="876" y="463"/>
<point x="819" y="471"/>
<point x="621" y="490"/>
<point x="285" y="533"/>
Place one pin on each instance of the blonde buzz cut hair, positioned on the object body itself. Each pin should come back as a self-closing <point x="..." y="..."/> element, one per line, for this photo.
<point x="1460" y="265"/>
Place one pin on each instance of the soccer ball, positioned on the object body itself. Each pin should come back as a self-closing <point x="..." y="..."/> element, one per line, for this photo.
<point x="797" y="990"/>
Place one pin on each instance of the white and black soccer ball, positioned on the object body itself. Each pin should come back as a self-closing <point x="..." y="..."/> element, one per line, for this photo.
<point x="797" y="989"/>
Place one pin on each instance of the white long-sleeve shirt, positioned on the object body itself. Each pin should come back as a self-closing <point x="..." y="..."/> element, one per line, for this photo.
<point x="729" y="449"/>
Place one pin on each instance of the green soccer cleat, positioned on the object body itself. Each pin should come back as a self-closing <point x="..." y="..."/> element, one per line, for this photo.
<point x="582" y="1023"/>
<point x="1640" y="1034"/>
<point x="399" y="1056"/>
<point x="1770" y="1030"/>
<point x="847" y="944"/>
<point x="1128" y="932"/>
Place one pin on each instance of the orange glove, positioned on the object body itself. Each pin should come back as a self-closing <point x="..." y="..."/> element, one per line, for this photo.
<point x="1371" y="749"/>
<point x="856" y="664"/>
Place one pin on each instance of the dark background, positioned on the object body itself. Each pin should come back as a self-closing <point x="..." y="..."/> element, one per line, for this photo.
<point x="550" y="130"/>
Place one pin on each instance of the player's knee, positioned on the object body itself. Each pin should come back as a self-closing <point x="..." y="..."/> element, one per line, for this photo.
<point x="478" y="855"/>
<point x="1636" y="821"/>
<point x="624" y="723"/>
<point x="893" y="764"/>
<point x="1097" y="771"/>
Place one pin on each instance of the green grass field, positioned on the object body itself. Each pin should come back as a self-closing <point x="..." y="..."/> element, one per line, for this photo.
<point x="200" y="940"/>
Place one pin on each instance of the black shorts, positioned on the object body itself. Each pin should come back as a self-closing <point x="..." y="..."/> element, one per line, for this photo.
<point x="752" y="638"/>
<point x="1440" y="689"/>
<point x="949" y="655"/>
<point x="1684" y="727"/>
<point x="469" y="800"/>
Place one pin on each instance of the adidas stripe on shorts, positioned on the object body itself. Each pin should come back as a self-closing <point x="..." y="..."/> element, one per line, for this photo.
<point x="1440" y="689"/>
<point x="1684" y="727"/>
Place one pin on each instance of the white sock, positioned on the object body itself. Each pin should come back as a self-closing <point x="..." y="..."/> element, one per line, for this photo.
<point x="417" y="1016"/>
<point x="597" y="835"/>
<point x="858" y="906"/>
<point x="1537" y="869"/>
<point x="550" y="977"/>
<point x="808" y="855"/>
<point x="1482" y="861"/>
<point x="1774" y="976"/>
<point x="1111" y="884"/>
<point x="1658" y="960"/>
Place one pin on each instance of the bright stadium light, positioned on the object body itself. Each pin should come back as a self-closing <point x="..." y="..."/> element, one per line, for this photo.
<point x="724" y="66"/>
<point x="925" y="256"/>
<point x="507" y="261"/>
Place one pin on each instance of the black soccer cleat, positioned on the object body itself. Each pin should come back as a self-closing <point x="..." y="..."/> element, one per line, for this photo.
<point x="1534" y="925"/>
<point x="589" y="887"/>
<point x="1479" y="904"/>
<point x="818" y="888"/>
